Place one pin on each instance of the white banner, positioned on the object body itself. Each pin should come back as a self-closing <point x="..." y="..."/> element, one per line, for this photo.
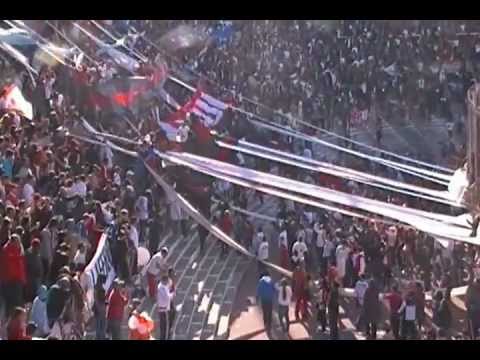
<point x="101" y="263"/>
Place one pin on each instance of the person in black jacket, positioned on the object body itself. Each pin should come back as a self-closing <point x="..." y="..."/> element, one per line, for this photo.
<point x="442" y="316"/>
<point x="333" y="311"/>
<point x="60" y="259"/>
<point x="35" y="270"/>
<point x="155" y="227"/>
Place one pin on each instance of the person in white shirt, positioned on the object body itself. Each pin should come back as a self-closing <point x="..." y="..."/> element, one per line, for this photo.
<point x="409" y="311"/>
<point x="284" y="300"/>
<point x="133" y="234"/>
<point x="141" y="211"/>
<point x="257" y="240"/>
<point x="106" y="153"/>
<point x="28" y="190"/>
<point x="299" y="251"/>
<point x="283" y="248"/>
<point x="321" y="234"/>
<point x="141" y="207"/>
<point x="157" y="265"/>
<point x="262" y="255"/>
<point x="307" y="153"/>
<point x="164" y="299"/>
<point x="360" y="288"/>
<point x="80" y="258"/>
<point x="341" y="255"/>
<point x="79" y="187"/>
<point x="328" y="248"/>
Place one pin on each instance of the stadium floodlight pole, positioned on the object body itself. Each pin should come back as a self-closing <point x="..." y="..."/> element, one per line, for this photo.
<point x="65" y="37"/>
<point x="109" y="34"/>
<point x="34" y="33"/>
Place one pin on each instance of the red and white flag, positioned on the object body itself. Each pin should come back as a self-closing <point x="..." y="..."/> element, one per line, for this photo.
<point x="11" y="99"/>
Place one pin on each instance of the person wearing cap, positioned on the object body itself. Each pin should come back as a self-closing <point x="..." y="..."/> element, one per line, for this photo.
<point x="156" y="267"/>
<point x="38" y="314"/>
<point x="34" y="268"/>
<point x="117" y="301"/>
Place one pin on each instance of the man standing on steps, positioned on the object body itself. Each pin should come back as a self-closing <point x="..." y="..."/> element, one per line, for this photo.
<point x="262" y="255"/>
<point x="164" y="300"/>
<point x="266" y="293"/>
<point x="333" y="311"/>
<point x="156" y="267"/>
<point x="202" y="236"/>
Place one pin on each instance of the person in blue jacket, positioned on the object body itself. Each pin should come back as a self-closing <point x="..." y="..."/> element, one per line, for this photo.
<point x="266" y="294"/>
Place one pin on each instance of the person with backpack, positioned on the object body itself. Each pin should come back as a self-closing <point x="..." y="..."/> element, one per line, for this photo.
<point x="408" y="312"/>
<point x="284" y="300"/>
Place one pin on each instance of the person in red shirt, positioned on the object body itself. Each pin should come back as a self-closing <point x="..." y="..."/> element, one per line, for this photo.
<point x="394" y="299"/>
<point x="13" y="272"/>
<point x="17" y="325"/>
<point x="299" y="282"/>
<point x="117" y="301"/>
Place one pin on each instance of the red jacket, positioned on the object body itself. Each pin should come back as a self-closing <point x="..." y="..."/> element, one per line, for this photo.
<point x="16" y="332"/>
<point x="226" y="224"/>
<point x="116" y="305"/>
<point x="13" y="263"/>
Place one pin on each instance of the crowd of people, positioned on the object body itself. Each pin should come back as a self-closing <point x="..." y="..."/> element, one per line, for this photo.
<point x="59" y="195"/>
<point x="327" y="76"/>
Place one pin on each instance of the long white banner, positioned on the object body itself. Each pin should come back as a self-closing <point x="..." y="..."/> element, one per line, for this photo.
<point x="345" y="173"/>
<point x="101" y="264"/>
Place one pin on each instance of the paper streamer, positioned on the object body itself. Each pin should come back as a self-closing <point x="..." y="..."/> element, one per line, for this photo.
<point x="372" y="180"/>
<point x="308" y="189"/>
<point x="344" y="291"/>
<point x="425" y="174"/>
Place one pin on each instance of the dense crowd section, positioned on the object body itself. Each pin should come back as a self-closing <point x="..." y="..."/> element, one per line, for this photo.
<point x="58" y="194"/>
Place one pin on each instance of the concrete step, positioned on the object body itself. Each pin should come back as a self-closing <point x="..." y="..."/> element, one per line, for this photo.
<point x="205" y="296"/>
<point x="188" y="287"/>
<point x="226" y="307"/>
<point x="218" y="294"/>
